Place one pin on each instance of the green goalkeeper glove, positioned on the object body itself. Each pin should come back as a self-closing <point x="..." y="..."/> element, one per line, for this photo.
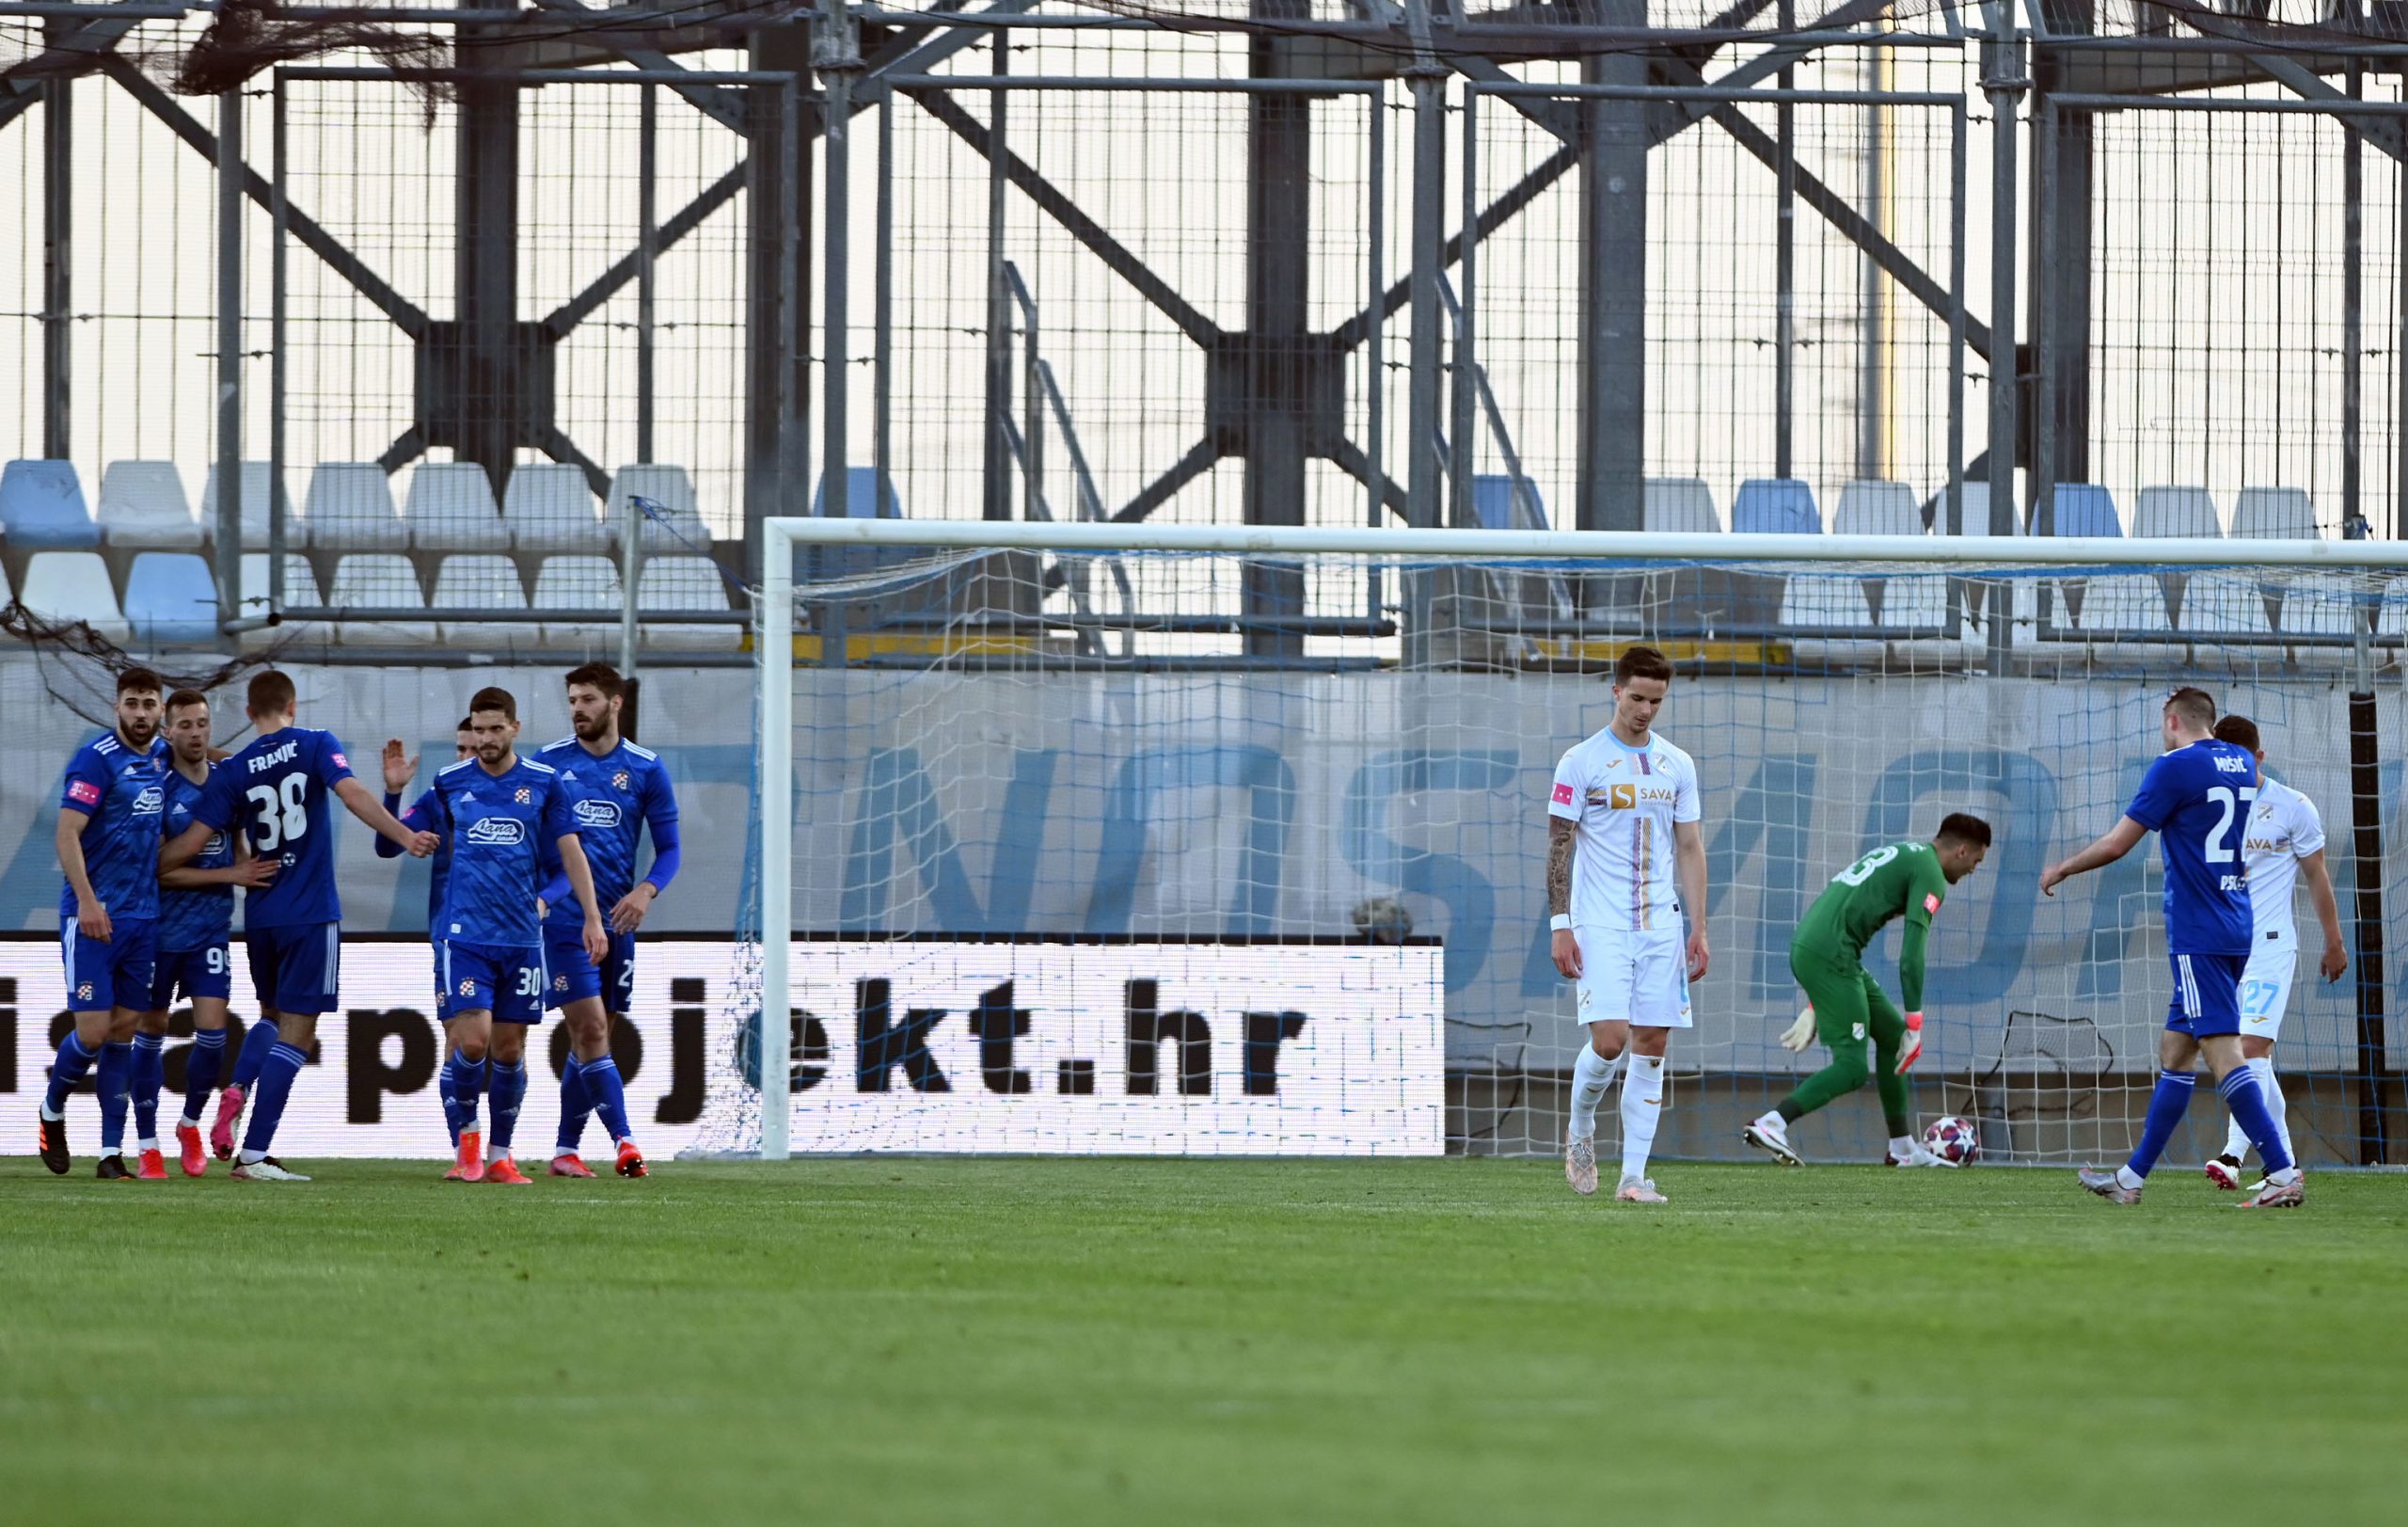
<point x="1802" y="1033"/>
<point x="1913" y="1045"/>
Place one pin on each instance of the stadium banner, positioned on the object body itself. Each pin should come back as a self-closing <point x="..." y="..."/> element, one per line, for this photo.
<point x="1185" y="805"/>
<point x="1077" y="1047"/>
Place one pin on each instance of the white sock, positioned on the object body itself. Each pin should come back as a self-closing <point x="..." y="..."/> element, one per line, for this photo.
<point x="43" y="1110"/>
<point x="2283" y="1178"/>
<point x="1592" y="1074"/>
<point x="1901" y="1147"/>
<point x="148" y="1145"/>
<point x="2127" y="1177"/>
<point x="187" y="1123"/>
<point x="1642" y="1104"/>
<point x="248" y="1156"/>
<point x="2273" y="1091"/>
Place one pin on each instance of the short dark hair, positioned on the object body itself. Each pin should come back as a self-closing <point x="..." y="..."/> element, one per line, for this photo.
<point x="186" y="698"/>
<point x="271" y="694"/>
<point x="1963" y="827"/>
<point x="494" y="698"/>
<point x="1643" y="662"/>
<point x="2239" y="731"/>
<point x="601" y="676"/>
<point x="140" y="678"/>
<point x="467" y="724"/>
<point x="2193" y="705"/>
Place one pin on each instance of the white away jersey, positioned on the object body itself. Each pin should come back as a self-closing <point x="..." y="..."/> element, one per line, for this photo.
<point x="1625" y="801"/>
<point x="2284" y="828"/>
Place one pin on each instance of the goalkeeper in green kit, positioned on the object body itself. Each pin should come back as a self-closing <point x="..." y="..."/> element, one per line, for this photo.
<point x="1845" y="1006"/>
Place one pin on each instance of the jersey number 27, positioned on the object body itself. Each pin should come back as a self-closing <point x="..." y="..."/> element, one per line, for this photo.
<point x="2235" y="803"/>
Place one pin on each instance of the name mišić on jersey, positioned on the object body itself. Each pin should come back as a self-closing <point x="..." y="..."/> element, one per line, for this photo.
<point x="2199" y="800"/>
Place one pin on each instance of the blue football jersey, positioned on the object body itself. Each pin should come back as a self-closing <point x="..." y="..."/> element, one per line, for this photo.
<point x="421" y="817"/>
<point x="618" y="795"/>
<point x="494" y="824"/>
<point x="277" y="794"/>
<point x="123" y="797"/>
<point x="2197" y="800"/>
<point x="201" y="918"/>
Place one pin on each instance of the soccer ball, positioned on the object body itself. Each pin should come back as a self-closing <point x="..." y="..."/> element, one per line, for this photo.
<point x="1383" y="919"/>
<point x="1951" y="1139"/>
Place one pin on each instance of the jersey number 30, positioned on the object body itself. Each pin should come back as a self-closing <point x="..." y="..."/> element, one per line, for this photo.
<point x="2235" y="803"/>
<point x="281" y="812"/>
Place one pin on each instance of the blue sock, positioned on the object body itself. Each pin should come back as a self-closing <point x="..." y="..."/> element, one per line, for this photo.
<point x="276" y="1075"/>
<point x="447" y="1087"/>
<point x="202" y="1063"/>
<point x="575" y="1105"/>
<point x="508" y="1088"/>
<point x="2166" y="1104"/>
<point x="73" y="1060"/>
<point x="114" y="1078"/>
<point x="610" y="1095"/>
<point x="150" y="1075"/>
<point x="467" y="1085"/>
<point x="2247" y="1101"/>
<point x="256" y="1044"/>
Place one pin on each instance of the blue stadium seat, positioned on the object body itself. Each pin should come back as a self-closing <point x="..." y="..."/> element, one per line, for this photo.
<point x="42" y="508"/>
<point x="171" y="596"/>
<point x="2088" y="509"/>
<point x="1775" y="506"/>
<point x="860" y="491"/>
<point x="1493" y="505"/>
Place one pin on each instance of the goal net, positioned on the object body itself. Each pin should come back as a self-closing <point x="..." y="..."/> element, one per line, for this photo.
<point x="1122" y="839"/>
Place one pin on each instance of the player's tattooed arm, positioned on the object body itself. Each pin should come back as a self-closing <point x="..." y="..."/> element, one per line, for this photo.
<point x="1562" y="945"/>
<point x="1561" y="841"/>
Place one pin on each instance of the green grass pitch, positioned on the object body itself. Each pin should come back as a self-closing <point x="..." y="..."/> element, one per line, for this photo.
<point x="1136" y="1342"/>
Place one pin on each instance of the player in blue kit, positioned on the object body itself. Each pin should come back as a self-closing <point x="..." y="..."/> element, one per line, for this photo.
<point x="109" y="806"/>
<point x="275" y="791"/>
<point x="622" y="790"/>
<point x="496" y="809"/>
<point x="399" y="765"/>
<point x="2197" y="798"/>
<point x="196" y="955"/>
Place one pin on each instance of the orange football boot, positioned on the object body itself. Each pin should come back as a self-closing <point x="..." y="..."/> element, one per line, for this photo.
<point x="631" y="1160"/>
<point x="504" y="1171"/>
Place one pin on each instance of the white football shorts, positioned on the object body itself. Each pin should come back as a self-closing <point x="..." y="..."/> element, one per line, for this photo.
<point x="2266" y="991"/>
<point x="1629" y="977"/>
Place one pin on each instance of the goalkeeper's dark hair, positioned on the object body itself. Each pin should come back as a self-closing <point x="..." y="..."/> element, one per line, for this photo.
<point x="1963" y="827"/>
<point x="467" y="724"/>
<point x="494" y="698"/>
<point x="600" y="675"/>
<point x="1643" y="662"/>
<point x="182" y="698"/>
<point x="271" y="694"/>
<point x="134" y="679"/>
<point x="2240" y="732"/>
<point x="2193" y="708"/>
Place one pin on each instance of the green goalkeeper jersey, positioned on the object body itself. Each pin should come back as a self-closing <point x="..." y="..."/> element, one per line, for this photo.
<point x="1895" y="880"/>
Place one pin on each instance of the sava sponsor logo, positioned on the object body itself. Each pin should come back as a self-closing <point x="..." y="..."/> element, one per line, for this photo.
<point x="501" y="831"/>
<point x="1630" y="796"/>
<point x="597" y="814"/>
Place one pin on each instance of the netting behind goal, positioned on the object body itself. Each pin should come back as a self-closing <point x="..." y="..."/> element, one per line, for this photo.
<point x="1067" y="827"/>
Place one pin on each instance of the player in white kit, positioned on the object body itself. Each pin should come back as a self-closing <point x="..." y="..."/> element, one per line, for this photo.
<point x="1625" y="860"/>
<point x="2283" y="843"/>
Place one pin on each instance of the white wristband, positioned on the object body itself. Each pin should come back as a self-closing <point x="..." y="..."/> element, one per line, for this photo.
<point x="1560" y="922"/>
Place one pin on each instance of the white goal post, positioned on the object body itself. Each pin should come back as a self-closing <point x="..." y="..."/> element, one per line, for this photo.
<point x="1969" y="557"/>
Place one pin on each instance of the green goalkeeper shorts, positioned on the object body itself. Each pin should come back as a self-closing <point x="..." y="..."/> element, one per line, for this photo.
<point x="1849" y="1008"/>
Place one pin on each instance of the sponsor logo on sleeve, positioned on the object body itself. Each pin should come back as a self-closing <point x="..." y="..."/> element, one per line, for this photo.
<point x="1930" y="902"/>
<point x="341" y="762"/>
<point x="1562" y="795"/>
<point x="87" y="793"/>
